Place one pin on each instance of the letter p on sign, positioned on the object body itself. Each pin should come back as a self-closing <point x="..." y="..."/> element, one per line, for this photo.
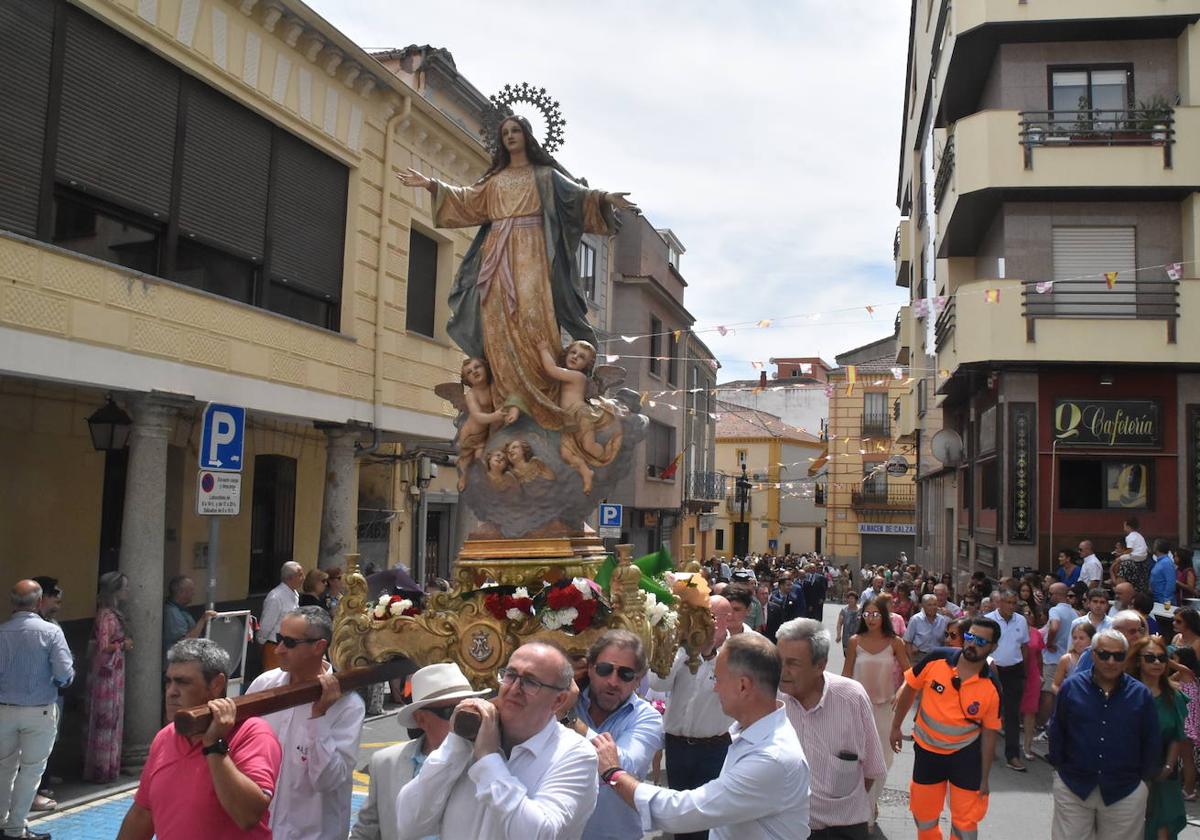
<point x="222" y="437"/>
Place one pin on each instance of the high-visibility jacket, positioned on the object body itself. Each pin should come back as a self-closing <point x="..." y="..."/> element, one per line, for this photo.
<point x="952" y="712"/>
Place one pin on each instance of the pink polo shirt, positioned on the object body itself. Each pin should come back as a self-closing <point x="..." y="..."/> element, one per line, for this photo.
<point x="176" y="786"/>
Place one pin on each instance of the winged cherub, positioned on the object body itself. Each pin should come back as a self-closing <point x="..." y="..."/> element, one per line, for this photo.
<point x="478" y="415"/>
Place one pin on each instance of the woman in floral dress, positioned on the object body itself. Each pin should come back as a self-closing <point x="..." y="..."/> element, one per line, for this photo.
<point x="106" y="682"/>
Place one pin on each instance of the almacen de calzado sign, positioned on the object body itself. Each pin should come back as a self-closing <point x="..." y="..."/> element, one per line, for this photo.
<point x="1109" y="423"/>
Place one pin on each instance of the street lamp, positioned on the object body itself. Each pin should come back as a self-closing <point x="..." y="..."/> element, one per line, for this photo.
<point x="109" y="427"/>
<point x="743" y="492"/>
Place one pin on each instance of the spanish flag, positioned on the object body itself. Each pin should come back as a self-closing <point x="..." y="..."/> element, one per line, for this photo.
<point x="669" y="472"/>
<point x="851" y="378"/>
<point x="991" y="296"/>
<point x="1111" y="278"/>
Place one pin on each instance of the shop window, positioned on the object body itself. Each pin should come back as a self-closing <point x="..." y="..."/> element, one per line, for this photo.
<point x="421" y="297"/>
<point x="1093" y="484"/>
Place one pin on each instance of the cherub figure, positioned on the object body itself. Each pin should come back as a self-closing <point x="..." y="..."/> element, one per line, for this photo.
<point x="581" y="416"/>
<point x="498" y="469"/>
<point x="523" y="464"/>
<point x="478" y="416"/>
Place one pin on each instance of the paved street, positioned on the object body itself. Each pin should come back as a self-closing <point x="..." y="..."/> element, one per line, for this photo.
<point x="1020" y="803"/>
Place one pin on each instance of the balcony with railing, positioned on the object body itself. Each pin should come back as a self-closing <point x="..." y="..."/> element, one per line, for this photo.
<point x="706" y="486"/>
<point x="873" y="496"/>
<point x="902" y="252"/>
<point x="945" y="169"/>
<point x="1091" y="299"/>
<point x="734" y="507"/>
<point x="876" y="424"/>
<point x="943" y="328"/>
<point x="1152" y="126"/>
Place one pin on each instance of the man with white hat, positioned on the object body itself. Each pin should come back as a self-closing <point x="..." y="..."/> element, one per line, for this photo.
<point x="436" y="690"/>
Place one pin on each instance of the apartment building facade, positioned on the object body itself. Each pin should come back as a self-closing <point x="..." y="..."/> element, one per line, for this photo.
<point x="794" y="392"/>
<point x="870" y="500"/>
<point x="200" y="205"/>
<point x="1050" y="231"/>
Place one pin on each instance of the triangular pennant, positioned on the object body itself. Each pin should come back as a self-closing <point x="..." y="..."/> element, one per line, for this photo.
<point x="1044" y="286"/>
<point x="1110" y="277"/>
<point x="1175" y="271"/>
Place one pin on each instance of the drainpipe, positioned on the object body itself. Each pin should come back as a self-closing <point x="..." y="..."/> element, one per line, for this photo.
<point x="381" y="267"/>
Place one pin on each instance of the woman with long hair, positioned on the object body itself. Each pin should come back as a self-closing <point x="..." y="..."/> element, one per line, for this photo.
<point x="1188" y="684"/>
<point x="1147" y="662"/>
<point x="519" y="281"/>
<point x="1032" y="697"/>
<point x="1186" y="623"/>
<point x="316" y="584"/>
<point x="874" y="652"/>
<point x="1081" y="638"/>
<point x="902" y="605"/>
<point x="106" y="681"/>
<point x="1185" y="576"/>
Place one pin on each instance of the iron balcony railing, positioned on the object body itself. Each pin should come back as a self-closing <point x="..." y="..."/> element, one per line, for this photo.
<point x="707" y="486"/>
<point x="945" y="169"/>
<point x="876" y="424"/>
<point x="1090" y="298"/>
<point x="943" y="328"/>
<point x="896" y="244"/>
<point x="735" y="507"/>
<point x="884" y="497"/>
<point x="1096" y="127"/>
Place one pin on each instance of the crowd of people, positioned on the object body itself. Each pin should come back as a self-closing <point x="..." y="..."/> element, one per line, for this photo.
<point x="759" y="740"/>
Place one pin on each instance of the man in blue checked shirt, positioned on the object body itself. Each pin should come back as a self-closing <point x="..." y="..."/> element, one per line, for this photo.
<point x="34" y="663"/>
<point x="616" y="664"/>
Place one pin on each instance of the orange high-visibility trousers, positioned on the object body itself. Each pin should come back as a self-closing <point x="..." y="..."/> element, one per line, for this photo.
<point x="967" y="808"/>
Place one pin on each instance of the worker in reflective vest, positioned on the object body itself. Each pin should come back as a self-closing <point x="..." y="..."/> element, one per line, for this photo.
<point x="954" y="733"/>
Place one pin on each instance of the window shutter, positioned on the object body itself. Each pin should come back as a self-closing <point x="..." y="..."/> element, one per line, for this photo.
<point x="1082" y="256"/>
<point x="226" y="168"/>
<point x="118" y="118"/>
<point x="307" y="217"/>
<point x="26" y="33"/>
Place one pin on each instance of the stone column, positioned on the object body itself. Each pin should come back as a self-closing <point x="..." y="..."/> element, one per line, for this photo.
<point x="143" y="528"/>
<point x="339" y="513"/>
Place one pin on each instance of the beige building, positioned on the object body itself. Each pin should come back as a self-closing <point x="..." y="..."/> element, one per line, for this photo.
<point x="781" y="514"/>
<point x="1048" y="183"/>
<point x="869" y="510"/>
<point x="200" y="205"/>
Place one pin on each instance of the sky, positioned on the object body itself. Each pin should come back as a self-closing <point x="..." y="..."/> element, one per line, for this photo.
<point x="765" y="134"/>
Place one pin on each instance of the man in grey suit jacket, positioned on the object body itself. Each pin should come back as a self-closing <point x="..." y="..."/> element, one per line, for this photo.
<point x="436" y="692"/>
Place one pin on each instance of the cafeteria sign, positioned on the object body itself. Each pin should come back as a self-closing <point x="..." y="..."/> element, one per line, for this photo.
<point x="1112" y="423"/>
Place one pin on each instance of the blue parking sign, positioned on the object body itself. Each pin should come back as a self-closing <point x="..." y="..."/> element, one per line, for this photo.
<point x="222" y="436"/>
<point x="611" y="516"/>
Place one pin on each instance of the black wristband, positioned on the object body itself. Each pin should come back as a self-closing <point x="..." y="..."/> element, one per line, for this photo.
<point x="218" y="747"/>
<point x="608" y="774"/>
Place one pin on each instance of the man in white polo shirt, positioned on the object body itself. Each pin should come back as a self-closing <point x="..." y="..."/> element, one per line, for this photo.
<point x="1009" y="659"/>
<point x="1092" y="573"/>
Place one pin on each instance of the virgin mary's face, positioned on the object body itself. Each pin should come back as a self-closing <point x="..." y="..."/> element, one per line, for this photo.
<point x="512" y="136"/>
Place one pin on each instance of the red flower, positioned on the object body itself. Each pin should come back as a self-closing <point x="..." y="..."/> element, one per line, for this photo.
<point x="495" y="605"/>
<point x="562" y="597"/>
<point x="587" y="612"/>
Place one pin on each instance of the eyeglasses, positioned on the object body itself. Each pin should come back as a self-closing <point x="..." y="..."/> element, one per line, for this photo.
<point x="972" y="639"/>
<point x="953" y="636"/>
<point x="1154" y="657"/>
<point x="626" y="674"/>
<point x="872" y="614"/>
<point x="1110" y="655"/>
<point x="289" y="643"/>
<point x="529" y="684"/>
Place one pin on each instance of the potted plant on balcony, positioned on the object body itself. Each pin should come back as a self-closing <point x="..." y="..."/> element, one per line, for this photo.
<point x="1085" y="122"/>
<point x="1150" y="120"/>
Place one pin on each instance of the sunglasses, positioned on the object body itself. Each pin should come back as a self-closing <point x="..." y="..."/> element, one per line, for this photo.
<point x="290" y="643"/>
<point x="953" y="636"/>
<point x="1110" y="655"/>
<point x="444" y="712"/>
<point x="626" y="674"/>
<point x="1154" y="657"/>
<point x="972" y="639"/>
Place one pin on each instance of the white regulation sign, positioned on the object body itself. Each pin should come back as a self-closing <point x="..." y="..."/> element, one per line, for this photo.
<point x="218" y="493"/>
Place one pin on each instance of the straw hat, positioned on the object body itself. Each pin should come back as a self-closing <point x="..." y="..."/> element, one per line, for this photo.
<point x="435" y="684"/>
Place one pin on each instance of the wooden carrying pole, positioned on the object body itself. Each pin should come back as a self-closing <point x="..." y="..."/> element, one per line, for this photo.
<point x="194" y="721"/>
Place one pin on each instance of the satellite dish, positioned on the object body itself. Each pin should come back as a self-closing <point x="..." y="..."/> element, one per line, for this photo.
<point x="947" y="447"/>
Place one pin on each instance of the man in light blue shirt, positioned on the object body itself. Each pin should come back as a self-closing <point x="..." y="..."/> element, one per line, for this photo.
<point x="926" y="630"/>
<point x="616" y="664"/>
<point x="1162" y="573"/>
<point x="34" y="663"/>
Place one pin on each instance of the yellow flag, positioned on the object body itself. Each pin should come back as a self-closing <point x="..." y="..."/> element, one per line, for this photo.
<point x="851" y="378"/>
<point x="991" y="296"/>
<point x="1111" y="278"/>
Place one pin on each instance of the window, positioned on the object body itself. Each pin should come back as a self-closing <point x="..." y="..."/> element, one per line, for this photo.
<point x="673" y="257"/>
<point x="587" y="269"/>
<point x="672" y="360"/>
<point x="1081" y="257"/>
<point x="421" y="299"/>
<point x="1096" y="484"/>
<point x="719" y="541"/>
<point x="655" y="346"/>
<point x="660" y="448"/>
<point x="875" y="414"/>
<point x="989" y="485"/>
<point x="1105" y="89"/>
<point x="154" y="171"/>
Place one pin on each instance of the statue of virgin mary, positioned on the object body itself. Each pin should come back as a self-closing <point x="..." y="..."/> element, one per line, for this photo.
<point x="518" y="285"/>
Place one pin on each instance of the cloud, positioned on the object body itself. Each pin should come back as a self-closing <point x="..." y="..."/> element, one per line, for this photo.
<point x="764" y="134"/>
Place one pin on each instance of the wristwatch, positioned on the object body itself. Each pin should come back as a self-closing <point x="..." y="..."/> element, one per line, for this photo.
<point x="218" y="747"/>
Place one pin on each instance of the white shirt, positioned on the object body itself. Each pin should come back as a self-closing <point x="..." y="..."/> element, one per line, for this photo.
<point x="693" y="708"/>
<point x="279" y="601"/>
<point x="1013" y="634"/>
<point x="761" y="794"/>
<point x="1104" y="624"/>
<point x="545" y="790"/>
<point x="842" y="721"/>
<point x="1092" y="570"/>
<point x="312" y="796"/>
<point x="1136" y="544"/>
